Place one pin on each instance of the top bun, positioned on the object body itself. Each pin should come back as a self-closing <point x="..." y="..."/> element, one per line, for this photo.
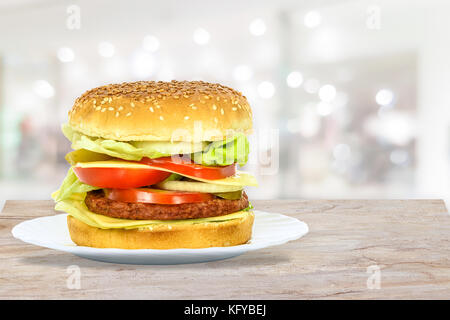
<point x="161" y="111"/>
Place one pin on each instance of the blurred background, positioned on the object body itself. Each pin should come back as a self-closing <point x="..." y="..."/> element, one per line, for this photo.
<point x="351" y="99"/>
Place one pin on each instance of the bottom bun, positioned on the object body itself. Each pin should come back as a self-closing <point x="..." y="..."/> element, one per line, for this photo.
<point x="165" y="236"/>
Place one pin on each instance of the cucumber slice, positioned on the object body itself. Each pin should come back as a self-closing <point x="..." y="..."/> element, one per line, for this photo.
<point x="172" y="177"/>
<point x="196" y="187"/>
<point x="235" y="195"/>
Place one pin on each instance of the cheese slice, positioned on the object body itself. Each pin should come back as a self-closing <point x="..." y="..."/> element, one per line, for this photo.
<point x="76" y="207"/>
<point x="241" y="178"/>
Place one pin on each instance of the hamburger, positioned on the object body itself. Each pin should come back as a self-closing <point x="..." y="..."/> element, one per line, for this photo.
<point x="154" y="166"/>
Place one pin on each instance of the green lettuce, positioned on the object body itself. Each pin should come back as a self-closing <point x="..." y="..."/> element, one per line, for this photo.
<point x="250" y="207"/>
<point x="225" y="152"/>
<point x="221" y="153"/>
<point x="117" y="149"/>
<point x="70" y="186"/>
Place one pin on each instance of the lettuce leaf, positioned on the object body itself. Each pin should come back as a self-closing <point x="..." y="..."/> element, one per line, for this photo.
<point x="70" y="186"/>
<point x="221" y="153"/>
<point x="225" y="152"/>
<point x="117" y="149"/>
<point x="250" y="207"/>
<point x="157" y="149"/>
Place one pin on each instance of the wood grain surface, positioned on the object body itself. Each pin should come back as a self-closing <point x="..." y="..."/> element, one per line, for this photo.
<point x="407" y="240"/>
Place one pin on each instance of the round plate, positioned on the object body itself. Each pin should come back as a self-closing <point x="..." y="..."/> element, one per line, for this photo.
<point x="269" y="229"/>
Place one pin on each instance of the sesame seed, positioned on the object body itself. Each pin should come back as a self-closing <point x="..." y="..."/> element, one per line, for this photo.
<point x="98" y="108"/>
<point x="104" y="109"/>
<point x="215" y="120"/>
<point x="128" y="114"/>
<point x="170" y="227"/>
<point x="132" y="105"/>
<point x="234" y="108"/>
<point x="186" y="118"/>
<point x="221" y="111"/>
<point x="151" y="109"/>
<point x="214" y="107"/>
<point x="120" y="108"/>
<point x="161" y="118"/>
<point x="111" y="109"/>
<point x="194" y="107"/>
<point x="117" y="114"/>
<point x="158" y="106"/>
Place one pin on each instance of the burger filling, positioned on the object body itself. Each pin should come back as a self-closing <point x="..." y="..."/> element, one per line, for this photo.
<point x="111" y="182"/>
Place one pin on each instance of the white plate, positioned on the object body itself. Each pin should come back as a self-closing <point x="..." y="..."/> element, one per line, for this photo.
<point x="269" y="229"/>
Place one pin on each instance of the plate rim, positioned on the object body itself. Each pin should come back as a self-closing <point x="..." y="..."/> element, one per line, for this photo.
<point x="303" y="229"/>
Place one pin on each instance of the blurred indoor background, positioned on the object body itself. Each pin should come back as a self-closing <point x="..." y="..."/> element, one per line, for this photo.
<point x="351" y="99"/>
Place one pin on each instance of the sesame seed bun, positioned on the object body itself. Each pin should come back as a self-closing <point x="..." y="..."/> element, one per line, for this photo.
<point x="165" y="236"/>
<point x="161" y="111"/>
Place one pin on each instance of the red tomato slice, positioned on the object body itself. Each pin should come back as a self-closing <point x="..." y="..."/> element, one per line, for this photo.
<point x="187" y="167"/>
<point x="147" y="195"/>
<point x="121" y="178"/>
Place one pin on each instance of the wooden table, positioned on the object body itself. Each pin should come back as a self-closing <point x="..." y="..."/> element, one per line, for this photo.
<point x="405" y="244"/>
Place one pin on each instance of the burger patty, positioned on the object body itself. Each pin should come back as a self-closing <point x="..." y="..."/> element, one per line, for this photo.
<point x="98" y="203"/>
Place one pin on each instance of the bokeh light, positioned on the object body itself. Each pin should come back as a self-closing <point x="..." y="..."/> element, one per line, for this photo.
<point x="294" y="79"/>
<point x="266" y="89"/>
<point x="242" y="73"/>
<point x="312" y="19"/>
<point x="327" y="93"/>
<point x="384" y="97"/>
<point x="201" y="36"/>
<point x="257" y="27"/>
<point x="106" y="49"/>
<point x="43" y="89"/>
<point x="65" y="54"/>
<point x="150" y="43"/>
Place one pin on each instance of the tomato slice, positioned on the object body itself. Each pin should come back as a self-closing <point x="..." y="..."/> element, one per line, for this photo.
<point x="187" y="167"/>
<point x="147" y="195"/>
<point x="121" y="178"/>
